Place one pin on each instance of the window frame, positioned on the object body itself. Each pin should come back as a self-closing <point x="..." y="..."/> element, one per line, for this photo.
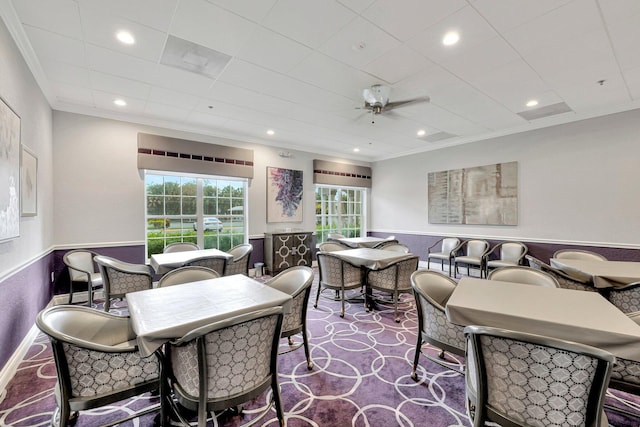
<point x="321" y="231"/>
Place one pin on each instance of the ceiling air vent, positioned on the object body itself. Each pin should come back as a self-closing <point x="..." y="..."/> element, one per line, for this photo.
<point x="193" y="57"/>
<point x="439" y="136"/>
<point x="546" y="111"/>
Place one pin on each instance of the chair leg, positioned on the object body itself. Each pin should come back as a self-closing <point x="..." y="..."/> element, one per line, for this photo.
<point x="414" y="373"/>
<point x="305" y="343"/>
<point x="395" y="307"/>
<point x="428" y="261"/>
<point x="317" y="296"/>
<point x="70" y="291"/>
<point x="276" y="399"/>
<point x="342" y="300"/>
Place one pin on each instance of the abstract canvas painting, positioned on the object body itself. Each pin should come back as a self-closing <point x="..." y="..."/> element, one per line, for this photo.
<point x="284" y="195"/>
<point x="483" y="195"/>
<point x="29" y="184"/>
<point x="9" y="172"/>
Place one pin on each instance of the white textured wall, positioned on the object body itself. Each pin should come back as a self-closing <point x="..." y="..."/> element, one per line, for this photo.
<point x="577" y="183"/>
<point x="99" y="194"/>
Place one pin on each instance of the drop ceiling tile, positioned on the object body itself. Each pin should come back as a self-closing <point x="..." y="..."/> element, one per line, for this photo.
<point x="271" y="50"/>
<point x="166" y="112"/>
<point x="102" y="32"/>
<point x="358" y="43"/>
<point x="151" y="13"/>
<point x="409" y="18"/>
<point x="179" y="80"/>
<point x="211" y="26"/>
<point x="206" y="119"/>
<point x="249" y="9"/>
<point x="513" y="13"/>
<point x="178" y="99"/>
<point x="116" y="63"/>
<point x="119" y="85"/>
<point x="72" y="94"/>
<point x="397" y="64"/>
<point x="60" y="72"/>
<point x="104" y="100"/>
<point x="624" y="37"/>
<point x="485" y="56"/>
<point x="632" y="78"/>
<point x="619" y="10"/>
<point x="358" y="6"/>
<point x="236" y="95"/>
<point x="587" y="96"/>
<point x="308" y="21"/>
<point x="48" y="45"/>
<point x="58" y="16"/>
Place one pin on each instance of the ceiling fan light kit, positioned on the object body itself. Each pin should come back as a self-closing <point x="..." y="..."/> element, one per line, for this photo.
<point x="376" y="99"/>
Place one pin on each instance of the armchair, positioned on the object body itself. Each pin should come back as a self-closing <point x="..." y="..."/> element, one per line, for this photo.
<point x="82" y="269"/>
<point x="240" y="262"/>
<point x="510" y="254"/>
<point x="122" y="277"/>
<point x="448" y="248"/>
<point x="579" y="254"/>
<point x="524" y="275"/>
<point x="394" y="279"/>
<point x="337" y="275"/>
<point x="474" y="252"/>
<point x="189" y="274"/>
<point x="564" y="280"/>
<point x="180" y="247"/>
<point x="215" y="263"/>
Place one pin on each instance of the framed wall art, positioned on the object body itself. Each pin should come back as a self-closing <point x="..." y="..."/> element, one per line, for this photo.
<point x="28" y="183"/>
<point x="9" y="172"/>
<point x="284" y="195"/>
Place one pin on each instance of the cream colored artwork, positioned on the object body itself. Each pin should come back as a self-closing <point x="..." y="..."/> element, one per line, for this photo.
<point x="9" y="173"/>
<point x="28" y="184"/>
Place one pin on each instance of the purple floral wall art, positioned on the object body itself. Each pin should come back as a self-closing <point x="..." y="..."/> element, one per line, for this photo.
<point x="284" y="195"/>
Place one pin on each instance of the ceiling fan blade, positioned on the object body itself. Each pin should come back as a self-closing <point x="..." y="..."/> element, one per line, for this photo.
<point x="406" y="102"/>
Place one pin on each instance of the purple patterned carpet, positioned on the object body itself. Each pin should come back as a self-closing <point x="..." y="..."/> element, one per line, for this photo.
<point x="361" y="378"/>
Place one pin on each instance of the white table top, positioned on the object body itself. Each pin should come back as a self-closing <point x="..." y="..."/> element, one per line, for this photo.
<point x="373" y="259"/>
<point x="360" y="242"/>
<point x="603" y="274"/>
<point x="579" y="316"/>
<point x="159" y="315"/>
<point x="163" y="263"/>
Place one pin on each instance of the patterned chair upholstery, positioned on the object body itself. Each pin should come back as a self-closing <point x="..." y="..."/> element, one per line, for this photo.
<point x="180" y="247"/>
<point x="524" y="275"/>
<point x="564" y="280"/>
<point x="394" y="279"/>
<point x="474" y="252"/>
<point x="523" y="379"/>
<point x="432" y="291"/>
<point x="578" y="254"/>
<point x="189" y="274"/>
<point x="82" y="269"/>
<point x="626" y="298"/>
<point x="215" y="263"/>
<point x="97" y="360"/>
<point x="448" y="248"/>
<point x="295" y="281"/>
<point x="240" y="262"/>
<point x="122" y="277"/>
<point x="332" y="247"/>
<point x="510" y="254"/>
<point x="222" y="365"/>
<point x="394" y="247"/>
<point x="337" y="275"/>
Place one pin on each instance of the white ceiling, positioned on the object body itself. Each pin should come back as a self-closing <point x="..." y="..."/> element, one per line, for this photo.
<point x="298" y="66"/>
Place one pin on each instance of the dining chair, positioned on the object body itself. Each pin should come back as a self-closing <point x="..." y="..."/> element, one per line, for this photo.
<point x="122" y="277"/>
<point x="474" y="251"/>
<point x="520" y="379"/>
<point x="388" y="241"/>
<point x="337" y="275"/>
<point x="240" y="262"/>
<point x="215" y="263"/>
<point x="564" y="280"/>
<point x="448" y="247"/>
<point x="221" y="366"/>
<point x="97" y="361"/>
<point x="626" y="298"/>
<point x="524" y="275"/>
<point x="336" y="236"/>
<point x="432" y="290"/>
<point x="625" y="376"/>
<point x="295" y="281"/>
<point x="508" y="253"/>
<point x="332" y="246"/>
<point x="83" y="270"/>
<point x="180" y="247"/>
<point x="578" y="254"/>
<point x="394" y="279"/>
<point x="192" y="273"/>
<point x="394" y="247"/>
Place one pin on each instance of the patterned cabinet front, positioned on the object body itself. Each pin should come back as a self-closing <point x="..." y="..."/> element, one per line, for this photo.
<point x="287" y="249"/>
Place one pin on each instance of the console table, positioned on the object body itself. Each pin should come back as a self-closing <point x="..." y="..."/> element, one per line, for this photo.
<point x="284" y="249"/>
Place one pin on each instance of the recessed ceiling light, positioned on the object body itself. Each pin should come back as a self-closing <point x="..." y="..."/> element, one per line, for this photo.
<point x="120" y="102"/>
<point x="422" y="132"/>
<point x="356" y="150"/>
<point x="270" y="132"/>
<point x="450" y="38"/>
<point x="125" y="37"/>
<point x="532" y="103"/>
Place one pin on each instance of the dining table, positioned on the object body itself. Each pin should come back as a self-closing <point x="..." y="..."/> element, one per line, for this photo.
<point x="568" y="314"/>
<point x="163" y="263"/>
<point x="360" y="242"/>
<point x="162" y="314"/>
<point x="600" y="273"/>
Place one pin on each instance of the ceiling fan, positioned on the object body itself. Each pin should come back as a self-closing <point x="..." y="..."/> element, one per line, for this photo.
<point x="376" y="100"/>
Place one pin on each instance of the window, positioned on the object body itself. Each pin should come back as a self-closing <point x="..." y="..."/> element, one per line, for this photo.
<point x="340" y="210"/>
<point x="208" y="211"/>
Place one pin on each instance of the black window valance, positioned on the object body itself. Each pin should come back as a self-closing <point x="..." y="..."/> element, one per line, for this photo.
<point x="164" y="153"/>
<point x="333" y="173"/>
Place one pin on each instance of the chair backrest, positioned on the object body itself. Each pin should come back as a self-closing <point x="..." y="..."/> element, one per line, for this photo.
<point x="122" y="277"/>
<point x="396" y="247"/>
<point x="180" y="247"/>
<point x="80" y="264"/>
<point x="524" y="275"/>
<point x="578" y="254"/>
<point x="395" y="276"/>
<point x="476" y="248"/>
<point x="335" y="272"/>
<point x="295" y="281"/>
<point x="533" y="380"/>
<point x="240" y="263"/>
<point x="332" y="246"/>
<point x="512" y="251"/>
<point x="210" y="358"/>
<point x="627" y="298"/>
<point x="449" y="244"/>
<point x="215" y="263"/>
<point x="536" y="263"/>
<point x="193" y="273"/>
<point x="336" y="236"/>
<point x="434" y="287"/>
